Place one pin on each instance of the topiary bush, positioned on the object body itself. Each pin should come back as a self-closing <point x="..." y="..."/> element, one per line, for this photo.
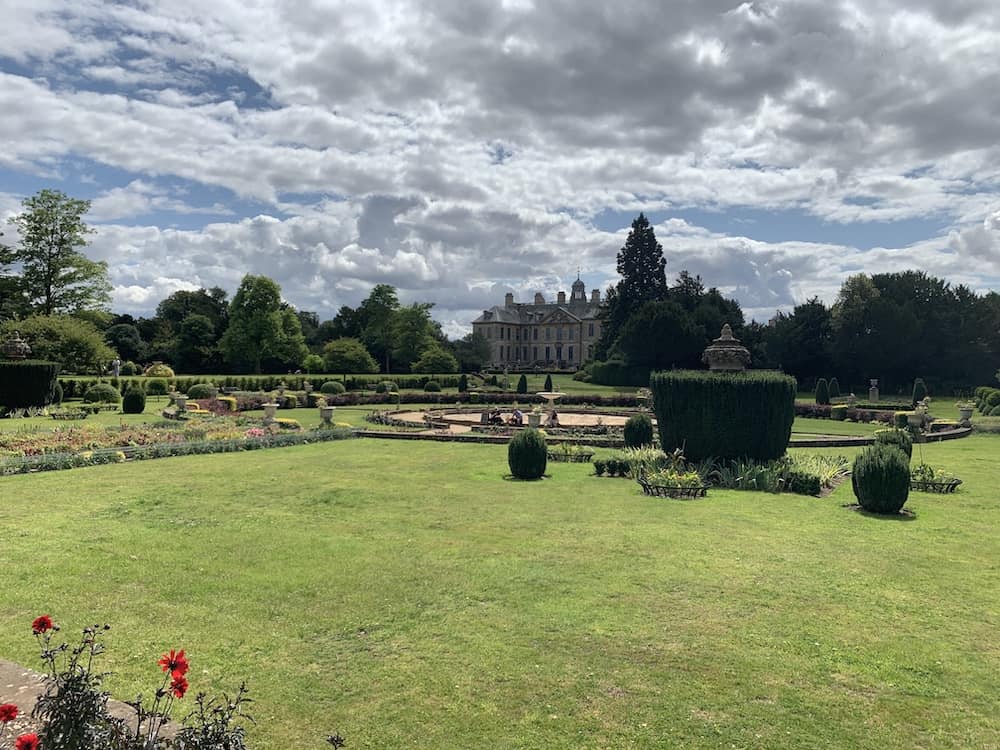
<point x="724" y="415"/>
<point x="386" y="386"/>
<point x="548" y="384"/>
<point x="897" y="437"/>
<point x="129" y="368"/>
<point x="159" y="370"/>
<point x="822" y="392"/>
<point x="638" y="431"/>
<point x="522" y="384"/>
<point x="919" y="391"/>
<point x="463" y="383"/>
<point x="57" y="395"/>
<point x="134" y="401"/>
<point x="156" y="387"/>
<point x="527" y="454"/>
<point x="881" y="479"/>
<point x="202" y="390"/>
<point x="102" y="393"/>
<point x="332" y="387"/>
<point x="432" y="386"/>
<point x="29" y="382"/>
<point x="834" y="388"/>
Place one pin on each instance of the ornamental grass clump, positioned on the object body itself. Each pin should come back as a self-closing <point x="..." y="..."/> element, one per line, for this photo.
<point x="527" y="454"/>
<point x="881" y="479"/>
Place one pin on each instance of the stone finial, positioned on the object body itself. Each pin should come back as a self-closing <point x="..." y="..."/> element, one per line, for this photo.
<point x="726" y="353"/>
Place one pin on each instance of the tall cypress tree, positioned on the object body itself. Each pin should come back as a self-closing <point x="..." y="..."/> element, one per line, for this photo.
<point x="644" y="279"/>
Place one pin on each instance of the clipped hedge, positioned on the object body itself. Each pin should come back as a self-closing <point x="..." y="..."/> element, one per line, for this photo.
<point x="28" y="382"/>
<point x="881" y="479"/>
<point x="102" y="393"/>
<point x="527" y="454"/>
<point x="617" y="372"/>
<point x="724" y="415"/>
<point x="638" y="431"/>
<point x="134" y="401"/>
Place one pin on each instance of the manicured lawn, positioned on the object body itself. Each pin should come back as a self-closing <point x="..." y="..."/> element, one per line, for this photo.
<point x="408" y="596"/>
<point x="808" y="426"/>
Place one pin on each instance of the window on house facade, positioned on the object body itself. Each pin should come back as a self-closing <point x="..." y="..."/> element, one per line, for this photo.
<point x="590" y="329"/>
<point x="559" y="332"/>
<point x="536" y="352"/>
<point x="548" y="357"/>
<point x="571" y="354"/>
<point x="548" y="334"/>
<point x="535" y="335"/>
<point x="571" y="333"/>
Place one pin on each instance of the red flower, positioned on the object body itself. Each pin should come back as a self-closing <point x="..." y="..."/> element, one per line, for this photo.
<point x="8" y="712"/>
<point x="26" y="742"/>
<point x="40" y="624"/>
<point x="179" y="685"/>
<point x="175" y="662"/>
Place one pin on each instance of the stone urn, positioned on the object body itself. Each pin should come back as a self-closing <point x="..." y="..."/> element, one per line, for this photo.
<point x="965" y="415"/>
<point x="326" y="415"/>
<point x="269" y="411"/>
<point x="180" y="401"/>
<point x="534" y="419"/>
<point x="307" y="387"/>
<point x="915" y="419"/>
<point x="726" y="353"/>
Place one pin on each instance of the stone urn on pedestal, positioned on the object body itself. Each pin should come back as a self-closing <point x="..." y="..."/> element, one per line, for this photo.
<point x="534" y="419"/>
<point x="326" y="415"/>
<point x="269" y="411"/>
<point x="726" y="353"/>
<point x="180" y="401"/>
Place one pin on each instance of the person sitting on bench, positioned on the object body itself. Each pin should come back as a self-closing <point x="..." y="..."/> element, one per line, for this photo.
<point x="516" y="418"/>
<point x="495" y="417"/>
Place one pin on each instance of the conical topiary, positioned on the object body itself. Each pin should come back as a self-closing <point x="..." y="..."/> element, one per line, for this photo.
<point x="919" y="390"/>
<point x="527" y="454"/>
<point x="522" y="384"/>
<point x="834" y="388"/>
<point x="822" y="392"/>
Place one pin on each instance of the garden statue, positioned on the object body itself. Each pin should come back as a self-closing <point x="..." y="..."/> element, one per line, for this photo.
<point x="15" y="347"/>
<point x="873" y="391"/>
<point x="726" y="353"/>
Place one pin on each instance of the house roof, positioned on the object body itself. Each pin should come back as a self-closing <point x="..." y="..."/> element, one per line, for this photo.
<point x="523" y="313"/>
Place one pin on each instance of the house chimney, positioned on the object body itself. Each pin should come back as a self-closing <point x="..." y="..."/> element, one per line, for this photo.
<point x="539" y="299"/>
<point x="562" y="298"/>
<point x="595" y="296"/>
<point x="508" y="299"/>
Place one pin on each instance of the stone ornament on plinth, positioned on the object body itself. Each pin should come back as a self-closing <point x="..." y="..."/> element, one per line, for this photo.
<point x="726" y="353"/>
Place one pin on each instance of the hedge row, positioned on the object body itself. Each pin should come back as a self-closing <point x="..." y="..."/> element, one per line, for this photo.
<point x="29" y="382"/>
<point x="616" y="372"/>
<point x="818" y="411"/>
<point x="724" y="415"/>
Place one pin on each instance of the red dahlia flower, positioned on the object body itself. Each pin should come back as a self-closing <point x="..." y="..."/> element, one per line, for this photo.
<point x="41" y="624"/>
<point x="26" y="742"/>
<point x="175" y="662"/>
<point x="179" y="685"/>
<point x="8" y="712"/>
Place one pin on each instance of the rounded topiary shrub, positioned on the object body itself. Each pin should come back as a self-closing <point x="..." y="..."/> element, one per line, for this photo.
<point x="28" y="382"/>
<point x="724" y="415"/>
<point x="899" y="438"/>
<point x="134" y="401"/>
<point x="995" y="411"/>
<point x="332" y="387"/>
<point x="834" y="388"/>
<point x="156" y="387"/>
<point x="202" y="390"/>
<point x="159" y="370"/>
<point x="527" y="454"/>
<point x="432" y="386"/>
<point x="386" y="386"/>
<point x="638" y="431"/>
<point x="822" y="392"/>
<point x="102" y="393"/>
<point x="881" y="478"/>
<point x="129" y="368"/>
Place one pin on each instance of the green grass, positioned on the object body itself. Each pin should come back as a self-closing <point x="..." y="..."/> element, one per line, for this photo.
<point x="809" y="426"/>
<point x="409" y="596"/>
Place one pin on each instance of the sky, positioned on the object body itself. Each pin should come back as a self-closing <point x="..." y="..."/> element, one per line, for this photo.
<point x="460" y="149"/>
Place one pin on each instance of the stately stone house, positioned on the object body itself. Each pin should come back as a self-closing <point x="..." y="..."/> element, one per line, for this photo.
<point x="558" y="334"/>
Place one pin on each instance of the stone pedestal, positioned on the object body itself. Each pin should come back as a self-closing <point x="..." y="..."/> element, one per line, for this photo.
<point x="269" y="411"/>
<point x="534" y="419"/>
<point x="181" y="403"/>
<point x="726" y="353"/>
<point x="326" y="415"/>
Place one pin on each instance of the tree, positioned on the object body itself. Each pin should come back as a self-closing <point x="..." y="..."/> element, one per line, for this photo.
<point x="472" y="352"/>
<point x="801" y="343"/>
<point x="76" y="344"/>
<point x="194" y="347"/>
<point x="55" y="276"/>
<point x="661" y="335"/>
<point x="643" y="270"/>
<point x="413" y="333"/>
<point x="377" y="316"/>
<point x="348" y="356"/>
<point x="436" y="359"/>
<point x="125" y="340"/>
<point x="210" y="303"/>
<point x="259" y="327"/>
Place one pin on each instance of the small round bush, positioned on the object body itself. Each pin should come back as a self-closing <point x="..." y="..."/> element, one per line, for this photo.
<point x="995" y="411"/>
<point x="899" y="438"/>
<point x="159" y="371"/>
<point x="156" y="387"/>
<point x="334" y="387"/>
<point x="822" y="392"/>
<point x="881" y="479"/>
<point x="102" y="393"/>
<point x="129" y="368"/>
<point x="527" y="454"/>
<point x="432" y="386"/>
<point x="202" y="390"/>
<point x="638" y="431"/>
<point x="134" y="401"/>
<point x="289" y="401"/>
<point x="386" y="386"/>
<point x="57" y="394"/>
